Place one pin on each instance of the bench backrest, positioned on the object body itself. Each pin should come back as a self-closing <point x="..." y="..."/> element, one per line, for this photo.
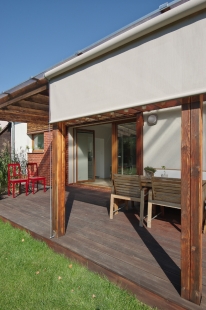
<point x="166" y="189"/>
<point x="127" y="185"/>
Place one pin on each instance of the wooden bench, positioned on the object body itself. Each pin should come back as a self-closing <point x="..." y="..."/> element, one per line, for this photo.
<point x="128" y="188"/>
<point x="167" y="192"/>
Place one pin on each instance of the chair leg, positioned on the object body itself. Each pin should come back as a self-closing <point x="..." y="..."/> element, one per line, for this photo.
<point x="149" y="218"/>
<point x="126" y="204"/>
<point x="162" y="208"/>
<point x="13" y="188"/>
<point x="44" y="185"/>
<point x="116" y="206"/>
<point x="111" y="206"/>
<point x="141" y="209"/>
<point x="26" y="188"/>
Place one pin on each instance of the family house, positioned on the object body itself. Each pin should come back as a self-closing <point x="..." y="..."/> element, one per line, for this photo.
<point x="123" y="82"/>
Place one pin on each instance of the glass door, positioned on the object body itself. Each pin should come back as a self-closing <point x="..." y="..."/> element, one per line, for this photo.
<point x="85" y="155"/>
<point x="127" y="148"/>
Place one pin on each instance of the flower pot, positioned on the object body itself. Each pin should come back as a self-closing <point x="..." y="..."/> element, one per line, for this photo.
<point x="149" y="174"/>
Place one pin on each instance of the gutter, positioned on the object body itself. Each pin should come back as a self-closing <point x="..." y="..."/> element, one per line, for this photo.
<point x="158" y="22"/>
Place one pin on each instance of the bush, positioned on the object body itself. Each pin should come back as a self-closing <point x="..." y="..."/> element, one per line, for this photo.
<point x="7" y="158"/>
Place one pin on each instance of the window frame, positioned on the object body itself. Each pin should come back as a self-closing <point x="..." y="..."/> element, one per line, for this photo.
<point x="33" y="137"/>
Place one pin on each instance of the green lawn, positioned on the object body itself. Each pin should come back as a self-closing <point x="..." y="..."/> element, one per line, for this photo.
<point x="32" y="276"/>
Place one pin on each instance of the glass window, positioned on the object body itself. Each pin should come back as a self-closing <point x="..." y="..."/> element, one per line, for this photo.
<point x="38" y="141"/>
<point x="127" y="148"/>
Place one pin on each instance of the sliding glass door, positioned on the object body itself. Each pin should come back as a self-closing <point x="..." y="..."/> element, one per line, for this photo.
<point x="85" y="155"/>
<point x="126" y="134"/>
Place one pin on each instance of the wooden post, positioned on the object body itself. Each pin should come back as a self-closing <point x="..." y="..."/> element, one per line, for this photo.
<point x="114" y="149"/>
<point x="185" y="200"/>
<point x="58" y="179"/>
<point x="191" y="200"/>
<point x="139" y="143"/>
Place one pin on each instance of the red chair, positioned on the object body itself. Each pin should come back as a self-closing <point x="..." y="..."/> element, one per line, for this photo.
<point x="15" y="177"/>
<point x="33" y="176"/>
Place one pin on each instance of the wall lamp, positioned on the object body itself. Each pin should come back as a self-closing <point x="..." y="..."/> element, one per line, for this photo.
<point x="152" y="119"/>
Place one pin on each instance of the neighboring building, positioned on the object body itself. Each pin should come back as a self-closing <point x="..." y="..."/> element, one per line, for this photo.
<point x="3" y="124"/>
<point x="5" y="138"/>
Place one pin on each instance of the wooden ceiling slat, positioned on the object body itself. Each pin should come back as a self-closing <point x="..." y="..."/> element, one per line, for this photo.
<point x="32" y="105"/>
<point x="36" y="112"/>
<point x="24" y="96"/>
<point x="40" y="98"/>
<point x="24" y="118"/>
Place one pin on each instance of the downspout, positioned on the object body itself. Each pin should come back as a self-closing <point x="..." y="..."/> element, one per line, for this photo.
<point x="50" y="176"/>
<point x="12" y="139"/>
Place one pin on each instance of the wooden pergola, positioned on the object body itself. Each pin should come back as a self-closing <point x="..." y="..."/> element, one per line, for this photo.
<point x="30" y="103"/>
<point x="26" y="103"/>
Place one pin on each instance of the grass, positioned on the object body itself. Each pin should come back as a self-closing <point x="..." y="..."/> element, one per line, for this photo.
<point x="34" y="277"/>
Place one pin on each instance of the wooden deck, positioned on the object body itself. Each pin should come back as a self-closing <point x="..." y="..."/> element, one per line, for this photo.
<point x="146" y="262"/>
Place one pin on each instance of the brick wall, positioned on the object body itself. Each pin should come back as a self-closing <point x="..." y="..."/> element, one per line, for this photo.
<point x="43" y="159"/>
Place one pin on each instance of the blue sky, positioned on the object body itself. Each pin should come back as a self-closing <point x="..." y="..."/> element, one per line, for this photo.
<point x="36" y="35"/>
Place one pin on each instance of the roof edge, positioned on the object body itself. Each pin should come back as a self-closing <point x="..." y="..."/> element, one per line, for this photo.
<point x="160" y="21"/>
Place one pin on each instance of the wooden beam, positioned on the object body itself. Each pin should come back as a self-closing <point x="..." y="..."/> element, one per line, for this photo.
<point x="191" y="200"/>
<point x="139" y="143"/>
<point x="185" y="201"/>
<point x="114" y="149"/>
<point x="32" y="105"/>
<point x="40" y="98"/>
<point x="196" y="199"/>
<point x="24" y="96"/>
<point x="15" y="108"/>
<point x="11" y="116"/>
<point x="58" y="179"/>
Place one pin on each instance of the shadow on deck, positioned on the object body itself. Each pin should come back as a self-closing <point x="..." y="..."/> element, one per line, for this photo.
<point x="144" y="261"/>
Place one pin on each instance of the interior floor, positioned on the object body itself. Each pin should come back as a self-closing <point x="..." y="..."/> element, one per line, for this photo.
<point x="99" y="182"/>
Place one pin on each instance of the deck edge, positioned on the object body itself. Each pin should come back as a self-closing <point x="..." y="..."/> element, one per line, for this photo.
<point x="141" y="293"/>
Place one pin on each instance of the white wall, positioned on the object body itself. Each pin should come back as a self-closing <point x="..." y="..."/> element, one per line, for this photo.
<point x="162" y="142"/>
<point x="21" y="138"/>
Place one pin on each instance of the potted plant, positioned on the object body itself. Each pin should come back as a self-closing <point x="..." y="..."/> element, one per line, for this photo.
<point x="149" y="171"/>
<point x="164" y="175"/>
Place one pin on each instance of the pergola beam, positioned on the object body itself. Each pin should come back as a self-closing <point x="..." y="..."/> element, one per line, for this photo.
<point x="40" y="98"/>
<point x="26" y="111"/>
<point x="58" y="179"/>
<point x="23" y="118"/>
<point x="32" y="105"/>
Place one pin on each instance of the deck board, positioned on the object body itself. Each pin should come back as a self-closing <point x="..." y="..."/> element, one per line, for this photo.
<point x="149" y="259"/>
